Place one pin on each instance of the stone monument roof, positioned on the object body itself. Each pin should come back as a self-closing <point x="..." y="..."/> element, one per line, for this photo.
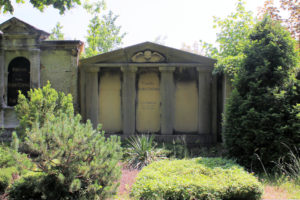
<point x="148" y="52"/>
<point x="15" y="26"/>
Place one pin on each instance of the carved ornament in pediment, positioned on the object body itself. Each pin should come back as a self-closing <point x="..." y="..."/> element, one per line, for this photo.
<point x="148" y="56"/>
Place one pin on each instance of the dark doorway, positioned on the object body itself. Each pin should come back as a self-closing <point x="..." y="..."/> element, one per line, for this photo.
<point x="18" y="79"/>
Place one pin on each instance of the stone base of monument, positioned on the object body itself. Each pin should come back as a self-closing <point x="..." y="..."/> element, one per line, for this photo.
<point x="8" y="118"/>
<point x="203" y="140"/>
<point x="5" y="135"/>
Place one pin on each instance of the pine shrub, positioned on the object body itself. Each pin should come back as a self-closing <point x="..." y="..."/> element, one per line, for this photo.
<point x="41" y="102"/>
<point x="75" y="157"/>
<point x="12" y="165"/>
<point x="263" y="112"/>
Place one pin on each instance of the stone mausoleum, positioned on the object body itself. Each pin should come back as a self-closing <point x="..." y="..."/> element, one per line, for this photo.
<point x="145" y="88"/>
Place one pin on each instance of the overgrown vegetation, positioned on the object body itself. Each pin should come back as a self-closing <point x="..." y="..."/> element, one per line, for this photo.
<point x="70" y="160"/>
<point x="264" y="111"/>
<point x="42" y="104"/>
<point x="12" y="165"/>
<point x="200" y="178"/>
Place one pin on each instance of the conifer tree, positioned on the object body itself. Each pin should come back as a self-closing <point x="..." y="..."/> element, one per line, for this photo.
<point x="263" y="113"/>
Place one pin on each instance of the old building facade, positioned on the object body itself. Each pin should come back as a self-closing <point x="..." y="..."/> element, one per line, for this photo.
<point x="145" y="88"/>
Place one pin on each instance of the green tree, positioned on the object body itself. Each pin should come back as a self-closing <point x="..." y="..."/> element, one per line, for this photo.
<point x="56" y="33"/>
<point x="103" y="34"/>
<point x="61" y="5"/>
<point x="231" y="39"/>
<point x="291" y="14"/>
<point x="263" y="112"/>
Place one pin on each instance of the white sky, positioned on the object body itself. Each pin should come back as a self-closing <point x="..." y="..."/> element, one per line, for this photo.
<point x="181" y="21"/>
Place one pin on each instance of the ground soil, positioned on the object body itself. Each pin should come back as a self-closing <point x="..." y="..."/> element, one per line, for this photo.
<point x="127" y="180"/>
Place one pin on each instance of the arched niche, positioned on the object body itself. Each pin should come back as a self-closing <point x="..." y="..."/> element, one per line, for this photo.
<point x="18" y="79"/>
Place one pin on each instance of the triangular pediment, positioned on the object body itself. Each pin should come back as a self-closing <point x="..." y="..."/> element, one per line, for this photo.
<point x="15" y="26"/>
<point x="148" y="52"/>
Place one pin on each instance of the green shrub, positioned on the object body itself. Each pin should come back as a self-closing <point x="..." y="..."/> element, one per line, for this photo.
<point x="200" y="178"/>
<point x="79" y="159"/>
<point x="142" y="151"/>
<point x="11" y="158"/>
<point x="41" y="102"/>
<point x="12" y="163"/>
<point x="263" y="111"/>
<point x="37" y="185"/>
<point x="6" y="177"/>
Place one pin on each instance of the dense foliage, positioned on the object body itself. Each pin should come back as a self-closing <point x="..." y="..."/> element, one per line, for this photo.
<point x="69" y="159"/>
<point x="231" y="39"/>
<point x="62" y="6"/>
<point x="40" y="103"/>
<point x="263" y="112"/>
<point x="75" y="157"/>
<point x="285" y="11"/>
<point x="12" y="165"/>
<point x="103" y="33"/>
<point x="200" y="178"/>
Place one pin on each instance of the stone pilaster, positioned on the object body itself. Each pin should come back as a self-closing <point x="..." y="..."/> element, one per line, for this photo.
<point x="214" y="109"/>
<point x="204" y="92"/>
<point x="82" y="83"/>
<point x="92" y="96"/>
<point x="35" y="68"/>
<point x="167" y="99"/>
<point x="2" y="99"/>
<point x="128" y="99"/>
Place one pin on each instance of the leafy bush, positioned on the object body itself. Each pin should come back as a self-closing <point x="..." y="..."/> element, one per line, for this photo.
<point x="200" y="178"/>
<point x="6" y="177"/>
<point x="38" y="185"/>
<point x="40" y="103"/>
<point x="12" y="164"/>
<point x="73" y="156"/>
<point x="263" y="111"/>
<point x="142" y="151"/>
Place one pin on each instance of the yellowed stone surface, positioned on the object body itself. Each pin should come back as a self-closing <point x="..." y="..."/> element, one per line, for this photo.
<point x="148" y="104"/>
<point x="186" y="107"/>
<point x="110" y="102"/>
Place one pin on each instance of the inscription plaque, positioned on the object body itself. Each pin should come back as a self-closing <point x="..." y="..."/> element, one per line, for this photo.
<point x="148" y="104"/>
<point x="110" y="102"/>
<point x="18" y="79"/>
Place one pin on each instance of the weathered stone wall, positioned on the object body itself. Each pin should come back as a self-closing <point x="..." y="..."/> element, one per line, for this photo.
<point x="110" y="114"/>
<point x="59" y="65"/>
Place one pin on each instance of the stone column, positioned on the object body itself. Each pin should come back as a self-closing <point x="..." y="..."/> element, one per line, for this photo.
<point x="128" y="99"/>
<point x="2" y="99"/>
<point x="204" y="92"/>
<point x="92" y="96"/>
<point x="35" y="68"/>
<point x="82" y="83"/>
<point x="214" y="109"/>
<point x="167" y="99"/>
